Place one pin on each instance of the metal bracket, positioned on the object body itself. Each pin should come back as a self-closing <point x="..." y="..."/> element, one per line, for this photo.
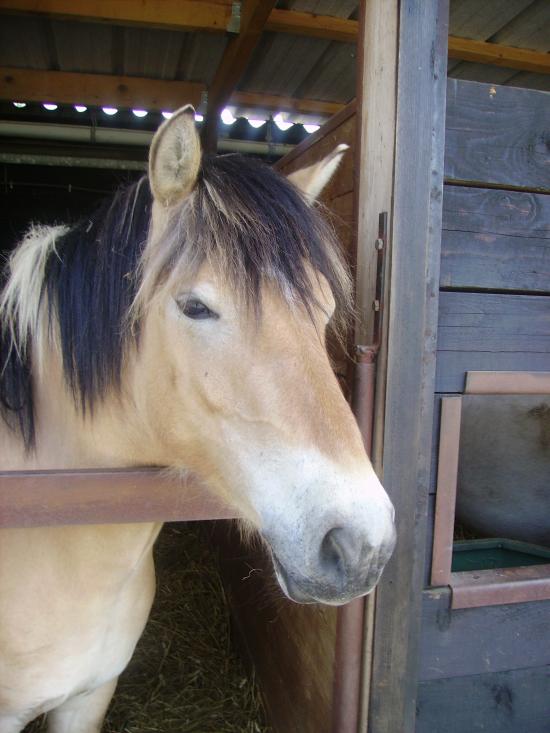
<point x="234" y="22"/>
<point x="370" y="351"/>
<point x="381" y="245"/>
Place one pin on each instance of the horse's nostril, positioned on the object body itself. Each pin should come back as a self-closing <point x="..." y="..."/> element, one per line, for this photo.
<point x="340" y="551"/>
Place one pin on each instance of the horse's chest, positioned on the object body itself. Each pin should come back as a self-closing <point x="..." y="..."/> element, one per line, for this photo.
<point x="77" y="640"/>
<point x="104" y="648"/>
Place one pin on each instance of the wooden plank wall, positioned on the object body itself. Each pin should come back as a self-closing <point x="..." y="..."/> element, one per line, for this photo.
<point x="495" y="251"/>
<point x="415" y="258"/>
<point x="293" y="646"/>
<point x="494" y="315"/>
<point x="497" y="135"/>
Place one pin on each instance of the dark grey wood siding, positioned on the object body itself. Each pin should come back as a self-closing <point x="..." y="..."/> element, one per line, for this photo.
<point x="495" y="239"/>
<point x="498" y="135"/>
<point x="514" y="701"/>
<point x="488" y="669"/>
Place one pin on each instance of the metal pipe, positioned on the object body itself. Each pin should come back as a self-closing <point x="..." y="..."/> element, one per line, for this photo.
<point x="72" y="161"/>
<point x="347" y="667"/>
<point x="115" y="136"/>
<point x="350" y="621"/>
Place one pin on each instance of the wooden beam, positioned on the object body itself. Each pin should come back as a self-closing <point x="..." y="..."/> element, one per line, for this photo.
<point x="410" y="374"/>
<point x="274" y="102"/>
<point x="482" y="52"/>
<point x="310" y="24"/>
<point x="214" y="16"/>
<point x="180" y="15"/>
<point x="375" y="156"/>
<point x="64" y="87"/>
<point x="234" y="61"/>
<point x="123" y="92"/>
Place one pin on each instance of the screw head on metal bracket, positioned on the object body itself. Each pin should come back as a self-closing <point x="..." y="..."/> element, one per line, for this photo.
<point x="376" y="305"/>
<point x="379" y="243"/>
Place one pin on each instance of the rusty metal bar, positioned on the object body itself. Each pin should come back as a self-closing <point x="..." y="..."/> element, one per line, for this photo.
<point x="48" y="498"/>
<point x="507" y="383"/>
<point x="475" y="588"/>
<point x="350" y="623"/>
<point x="347" y="667"/>
<point x="445" y="500"/>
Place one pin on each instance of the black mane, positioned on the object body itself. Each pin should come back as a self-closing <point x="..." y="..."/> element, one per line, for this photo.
<point x="90" y="284"/>
<point x="92" y="275"/>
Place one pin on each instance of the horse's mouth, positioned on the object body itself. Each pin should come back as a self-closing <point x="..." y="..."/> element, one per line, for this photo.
<point x="288" y="586"/>
<point x="295" y="591"/>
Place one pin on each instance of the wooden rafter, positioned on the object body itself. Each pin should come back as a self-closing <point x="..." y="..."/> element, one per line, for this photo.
<point x="482" y="52"/>
<point x="186" y="15"/>
<point x="289" y="104"/>
<point x="309" y="24"/>
<point x="214" y="16"/>
<point x="234" y="61"/>
<point x="63" y="87"/>
<point x="206" y="15"/>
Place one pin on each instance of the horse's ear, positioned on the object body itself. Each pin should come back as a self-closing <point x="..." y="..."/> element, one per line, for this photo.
<point x="175" y="157"/>
<point x="311" y="180"/>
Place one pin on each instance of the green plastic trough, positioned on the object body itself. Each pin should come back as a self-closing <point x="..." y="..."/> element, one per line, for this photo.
<point x="489" y="554"/>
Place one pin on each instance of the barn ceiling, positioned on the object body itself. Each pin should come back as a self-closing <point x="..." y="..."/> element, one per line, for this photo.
<point x="289" y="65"/>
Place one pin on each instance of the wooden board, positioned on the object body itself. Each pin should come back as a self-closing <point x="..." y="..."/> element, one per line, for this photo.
<point x="497" y="135"/>
<point x="98" y="89"/>
<point x="472" y="641"/>
<point x="490" y="331"/>
<point x="292" y="647"/>
<point x="495" y="240"/>
<point x="415" y="259"/>
<point x="516" y="701"/>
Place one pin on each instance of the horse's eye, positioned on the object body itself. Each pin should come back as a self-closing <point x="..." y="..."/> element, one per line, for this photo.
<point x="195" y="309"/>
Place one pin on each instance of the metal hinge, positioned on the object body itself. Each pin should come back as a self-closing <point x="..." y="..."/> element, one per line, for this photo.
<point x="234" y="22"/>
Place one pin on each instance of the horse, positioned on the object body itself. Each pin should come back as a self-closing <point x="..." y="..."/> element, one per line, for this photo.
<point x="183" y="325"/>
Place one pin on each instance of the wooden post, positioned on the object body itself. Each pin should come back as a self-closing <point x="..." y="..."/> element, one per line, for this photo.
<point x="414" y="288"/>
<point x="375" y="147"/>
<point x="376" y="99"/>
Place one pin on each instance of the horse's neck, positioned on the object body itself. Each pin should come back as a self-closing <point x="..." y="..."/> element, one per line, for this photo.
<point x="66" y="440"/>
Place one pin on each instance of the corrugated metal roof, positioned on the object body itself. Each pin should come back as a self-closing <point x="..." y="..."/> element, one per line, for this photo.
<point x="307" y="68"/>
<point x="40" y="43"/>
<point x="336" y="8"/>
<point x="286" y="65"/>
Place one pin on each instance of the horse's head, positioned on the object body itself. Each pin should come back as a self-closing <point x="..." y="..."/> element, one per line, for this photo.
<point x="239" y="284"/>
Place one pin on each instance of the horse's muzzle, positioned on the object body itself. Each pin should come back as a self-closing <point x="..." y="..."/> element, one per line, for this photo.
<point x="344" y="567"/>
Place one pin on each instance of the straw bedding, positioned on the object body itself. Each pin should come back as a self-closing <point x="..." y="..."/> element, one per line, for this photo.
<point x="185" y="675"/>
